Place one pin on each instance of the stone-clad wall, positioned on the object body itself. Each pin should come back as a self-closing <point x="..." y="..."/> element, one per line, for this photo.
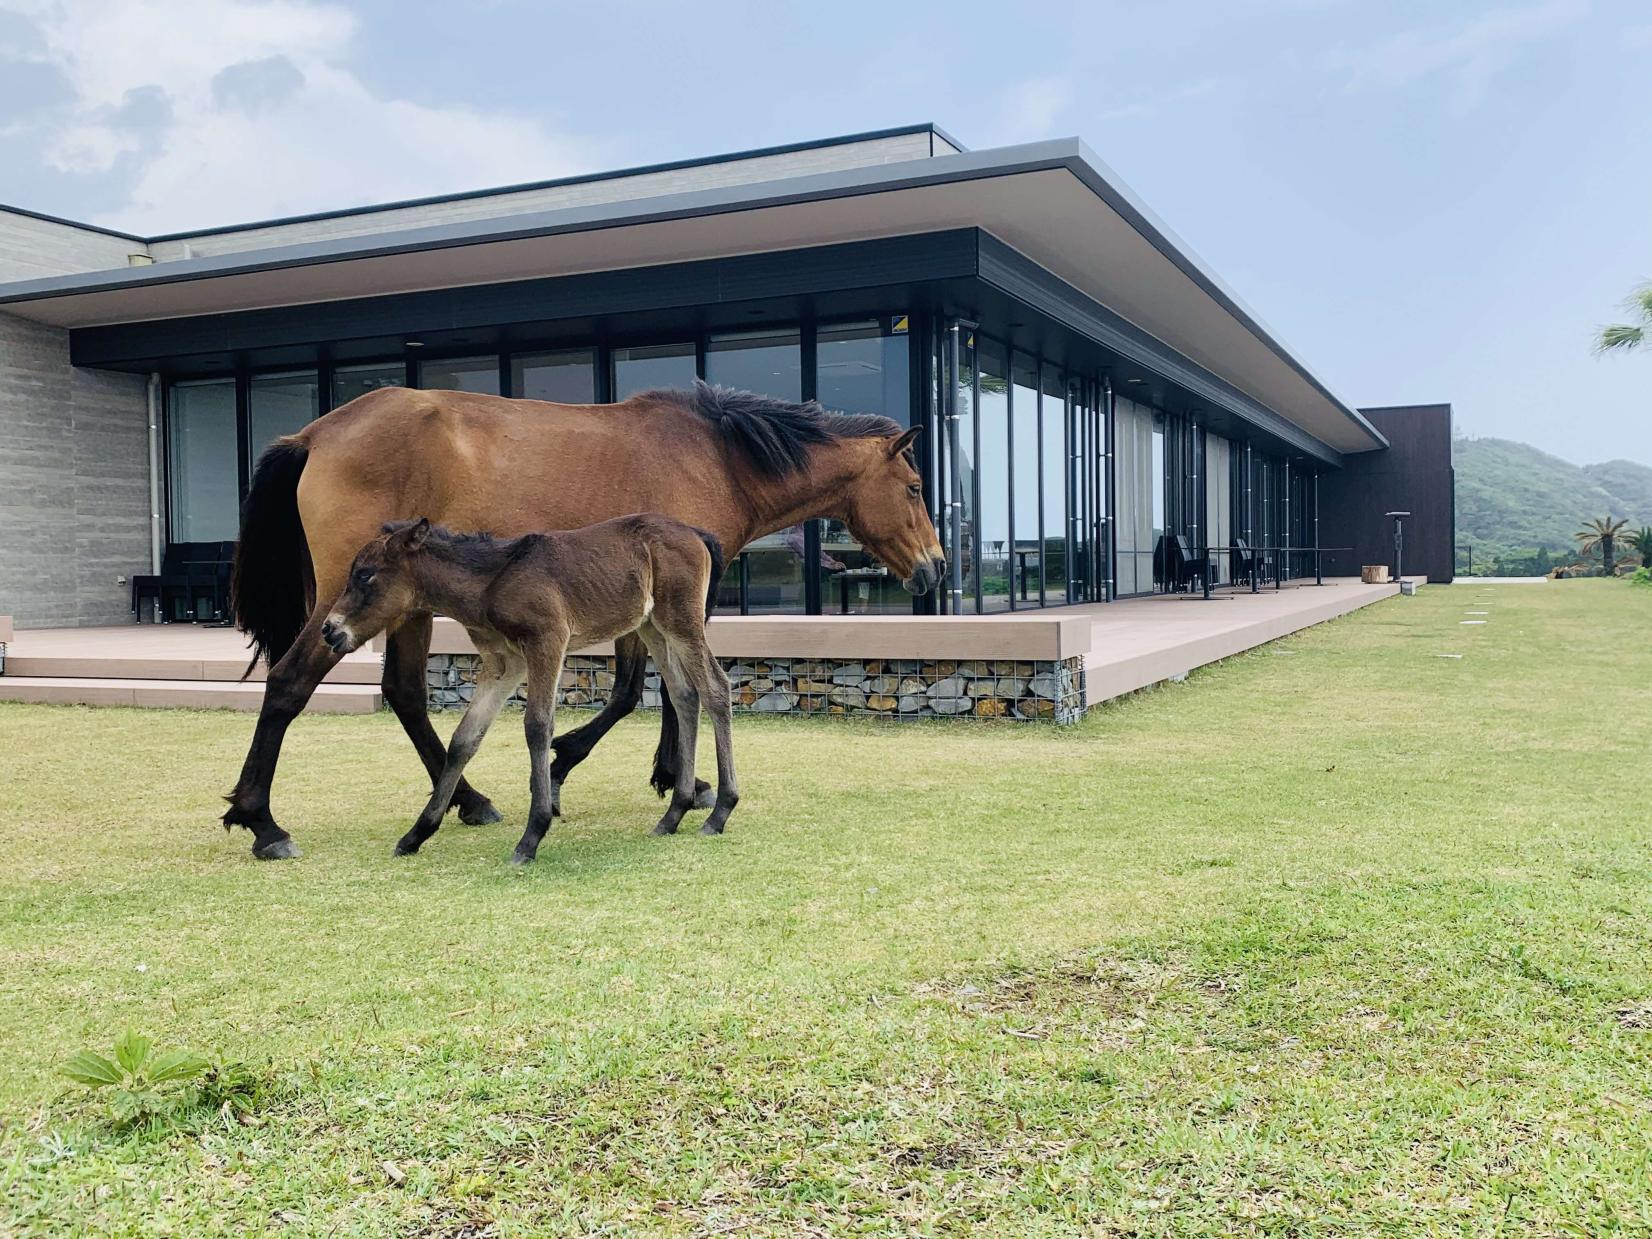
<point x="889" y="688"/>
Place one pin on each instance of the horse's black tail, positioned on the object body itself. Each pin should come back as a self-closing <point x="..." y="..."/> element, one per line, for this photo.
<point x="719" y="565"/>
<point x="269" y="586"/>
<point x="666" y="752"/>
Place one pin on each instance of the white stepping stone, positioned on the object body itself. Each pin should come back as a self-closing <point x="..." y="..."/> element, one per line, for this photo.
<point x="1471" y="621"/>
<point x="1448" y="656"/>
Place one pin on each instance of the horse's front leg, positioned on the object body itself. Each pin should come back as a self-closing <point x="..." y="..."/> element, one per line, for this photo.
<point x="491" y="693"/>
<point x="406" y="655"/>
<point x="544" y="674"/>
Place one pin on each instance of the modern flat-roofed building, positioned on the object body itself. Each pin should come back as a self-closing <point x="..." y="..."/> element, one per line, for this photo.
<point x="1087" y="385"/>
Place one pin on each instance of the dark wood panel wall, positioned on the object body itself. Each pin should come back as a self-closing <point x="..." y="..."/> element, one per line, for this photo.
<point x="1412" y="475"/>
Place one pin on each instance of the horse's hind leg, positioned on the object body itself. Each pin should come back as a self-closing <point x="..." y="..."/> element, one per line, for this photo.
<point x="687" y="698"/>
<point x="714" y="690"/>
<point x="406" y="654"/>
<point x="484" y="706"/>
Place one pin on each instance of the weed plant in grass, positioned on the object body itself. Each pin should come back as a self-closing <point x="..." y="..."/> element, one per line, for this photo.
<point x="1353" y="942"/>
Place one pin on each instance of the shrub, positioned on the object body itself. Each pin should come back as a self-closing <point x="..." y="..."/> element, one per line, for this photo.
<point x="144" y="1088"/>
<point x="1641" y="576"/>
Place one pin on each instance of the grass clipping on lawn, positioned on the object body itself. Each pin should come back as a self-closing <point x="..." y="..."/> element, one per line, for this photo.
<point x="1350" y="942"/>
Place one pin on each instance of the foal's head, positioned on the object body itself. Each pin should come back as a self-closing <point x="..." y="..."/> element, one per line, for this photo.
<point x="883" y="506"/>
<point x="380" y="590"/>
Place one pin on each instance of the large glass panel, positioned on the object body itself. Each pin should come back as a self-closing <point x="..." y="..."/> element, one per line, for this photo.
<point x="994" y="473"/>
<point x="567" y="377"/>
<point x="1053" y="425"/>
<point x="1219" y="504"/>
<point x="649" y="366"/>
<point x="768" y="362"/>
<point x="1078" y="491"/>
<point x="1133" y="473"/>
<point x="352" y="381"/>
<point x="1024" y="564"/>
<point x="771" y="364"/>
<point x="204" y="480"/>
<point x="961" y="524"/>
<point x="280" y="404"/>
<point x="473" y="374"/>
<point x="862" y="368"/>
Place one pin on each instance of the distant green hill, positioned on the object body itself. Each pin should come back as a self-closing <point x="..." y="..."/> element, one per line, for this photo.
<point x="1510" y="496"/>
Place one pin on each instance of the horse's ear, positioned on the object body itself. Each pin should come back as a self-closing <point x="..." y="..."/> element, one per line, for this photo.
<point x="417" y="533"/>
<point x="903" y="442"/>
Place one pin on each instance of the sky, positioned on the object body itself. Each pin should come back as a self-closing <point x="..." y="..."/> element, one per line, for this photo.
<point x="1429" y="201"/>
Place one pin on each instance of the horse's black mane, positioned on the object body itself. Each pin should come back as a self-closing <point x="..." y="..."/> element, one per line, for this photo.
<point x="775" y="435"/>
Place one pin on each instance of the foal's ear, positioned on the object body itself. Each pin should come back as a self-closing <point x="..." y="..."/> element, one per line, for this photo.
<point x="902" y="442"/>
<point x="417" y="533"/>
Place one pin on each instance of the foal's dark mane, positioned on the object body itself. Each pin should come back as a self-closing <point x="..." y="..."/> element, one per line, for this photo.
<point x="775" y="435"/>
<point x="479" y="552"/>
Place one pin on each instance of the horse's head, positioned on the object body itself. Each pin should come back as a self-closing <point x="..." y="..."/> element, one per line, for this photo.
<point x="381" y="589"/>
<point x="883" y="505"/>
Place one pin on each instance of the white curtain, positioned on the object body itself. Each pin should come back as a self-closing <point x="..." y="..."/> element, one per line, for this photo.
<point x="1133" y="473"/>
<point x="1219" y="501"/>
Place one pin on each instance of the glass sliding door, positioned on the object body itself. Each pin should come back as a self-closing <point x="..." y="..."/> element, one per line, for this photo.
<point x="645" y="367"/>
<point x="479" y="375"/>
<point x="1219" y="504"/>
<point x="1027" y="514"/>
<point x="1135" y="468"/>
<point x="203" y="475"/>
<point x="280" y="404"/>
<point x="566" y="377"/>
<point x="1052" y="421"/>
<point x="862" y="367"/>
<point x="993" y="476"/>
<point x="769" y="363"/>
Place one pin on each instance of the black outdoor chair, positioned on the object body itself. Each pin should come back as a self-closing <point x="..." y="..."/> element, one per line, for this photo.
<point x="1247" y="561"/>
<point x="1175" y="564"/>
<point x="192" y="573"/>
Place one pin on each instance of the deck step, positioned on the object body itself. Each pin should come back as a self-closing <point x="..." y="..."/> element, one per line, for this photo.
<point x="176" y="694"/>
<point x="362" y="668"/>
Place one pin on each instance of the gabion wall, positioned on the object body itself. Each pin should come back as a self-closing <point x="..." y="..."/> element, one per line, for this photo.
<point x="905" y="688"/>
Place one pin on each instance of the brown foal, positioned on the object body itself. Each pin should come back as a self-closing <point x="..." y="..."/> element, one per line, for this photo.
<point x="525" y="602"/>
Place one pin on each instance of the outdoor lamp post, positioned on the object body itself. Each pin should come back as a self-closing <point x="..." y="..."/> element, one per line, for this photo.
<point x="1399" y="546"/>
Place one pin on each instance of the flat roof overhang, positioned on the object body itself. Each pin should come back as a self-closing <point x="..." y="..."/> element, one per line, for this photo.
<point x="1052" y="202"/>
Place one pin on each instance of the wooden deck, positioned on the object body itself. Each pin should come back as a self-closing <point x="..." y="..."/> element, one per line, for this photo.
<point x="1125" y="646"/>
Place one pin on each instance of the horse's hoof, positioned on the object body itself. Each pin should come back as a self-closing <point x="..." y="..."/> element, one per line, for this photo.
<point x="480" y="813"/>
<point x="281" y="849"/>
<point x="518" y="859"/>
<point x="665" y="828"/>
<point x="709" y="829"/>
<point x="406" y="849"/>
<point x="705" y="796"/>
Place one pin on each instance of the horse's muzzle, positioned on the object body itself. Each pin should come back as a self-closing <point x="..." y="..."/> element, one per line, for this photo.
<point x="926" y="576"/>
<point x="337" y="637"/>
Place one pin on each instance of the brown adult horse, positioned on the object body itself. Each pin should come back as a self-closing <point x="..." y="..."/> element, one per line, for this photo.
<point x="734" y="464"/>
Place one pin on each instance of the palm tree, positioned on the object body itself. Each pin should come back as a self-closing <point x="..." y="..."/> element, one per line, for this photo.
<point x="1600" y="534"/>
<point x="1641" y="540"/>
<point x="1626" y="337"/>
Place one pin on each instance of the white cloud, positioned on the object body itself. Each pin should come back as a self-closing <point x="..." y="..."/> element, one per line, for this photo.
<point x="1472" y="55"/>
<point x="221" y="111"/>
<point x="1030" y="109"/>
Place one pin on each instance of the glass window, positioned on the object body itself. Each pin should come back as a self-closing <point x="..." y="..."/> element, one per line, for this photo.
<point x="771" y="364"/>
<point x="768" y="362"/>
<point x="1053" y="428"/>
<point x="280" y="404"/>
<point x="1024" y="410"/>
<point x="650" y="366"/>
<point x="993" y="413"/>
<point x="864" y="368"/>
<point x="352" y="381"/>
<point x="568" y="377"/>
<point x="204" y="480"/>
<point x="473" y="374"/>
<point x="961" y="480"/>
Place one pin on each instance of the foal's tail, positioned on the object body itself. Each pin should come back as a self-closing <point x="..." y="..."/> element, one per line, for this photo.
<point x="270" y="585"/>
<point x="718" y="565"/>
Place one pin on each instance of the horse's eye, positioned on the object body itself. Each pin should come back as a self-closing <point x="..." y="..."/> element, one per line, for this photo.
<point x="364" y="578"/>
<point x="915" y="490"/>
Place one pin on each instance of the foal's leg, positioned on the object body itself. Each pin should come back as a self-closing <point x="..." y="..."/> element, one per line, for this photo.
<point x="715" y="691"/>
<point x="467" y="737"/>
<point x="573" y="747"/>
<point x="688" y="721"/>
<point x="544" y="674"/>
<point x="406" y="654"/>
<point x="291" y="683"/>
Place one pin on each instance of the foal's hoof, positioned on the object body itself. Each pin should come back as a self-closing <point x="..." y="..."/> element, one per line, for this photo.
<point x="705" y="795"/>
<point x="520" y="858"/>
<point x="664" y="828"/>
<point x="709" y="829"/>
<point x="404" y="848"/>
<point x="281" y="849"/>
<point x="480" y="812"/>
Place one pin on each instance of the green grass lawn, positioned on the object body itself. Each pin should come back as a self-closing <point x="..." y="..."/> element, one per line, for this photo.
<point x="1339" y="937"/>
